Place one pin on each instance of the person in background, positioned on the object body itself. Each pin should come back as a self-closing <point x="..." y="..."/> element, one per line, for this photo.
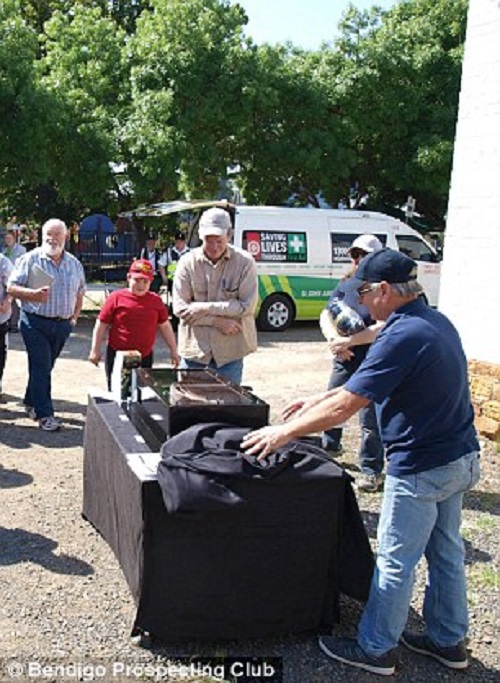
<point x="214" y="296"/>
<point x="49" y="313"/>
<point x="130" y="319"/>
<point x="416" y="374"/>
<point x="169" y="262"/>
<point x="172" y="256"/>
<point x="30" y="240"/>
<point x="151" y="253"/>
<point x="5" y="312"/>
<point x="13" y="250"/>
<point x="348" y="354"/>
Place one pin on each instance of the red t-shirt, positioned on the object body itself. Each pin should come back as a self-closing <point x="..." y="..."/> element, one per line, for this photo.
<point x="133" y="320"/>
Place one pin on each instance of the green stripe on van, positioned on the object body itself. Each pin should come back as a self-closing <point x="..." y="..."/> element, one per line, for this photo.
<point x="266" y="287"/>
<point x="309" y="294"/>
<point x="285" y="284"/>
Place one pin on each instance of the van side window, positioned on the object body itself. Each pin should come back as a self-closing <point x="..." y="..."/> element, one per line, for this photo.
<point x="416" y="249"/>
<point x="341" y="241"/>
<point x="271" y="245"/>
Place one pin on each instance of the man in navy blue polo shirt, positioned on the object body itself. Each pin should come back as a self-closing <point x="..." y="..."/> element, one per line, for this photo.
<point x="416" y="375"/>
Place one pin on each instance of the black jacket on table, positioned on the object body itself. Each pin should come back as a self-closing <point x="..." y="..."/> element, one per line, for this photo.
<point x="203" y="472"/>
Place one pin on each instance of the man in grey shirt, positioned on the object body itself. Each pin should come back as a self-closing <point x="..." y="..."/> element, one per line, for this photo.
<point x="215" y="294"/>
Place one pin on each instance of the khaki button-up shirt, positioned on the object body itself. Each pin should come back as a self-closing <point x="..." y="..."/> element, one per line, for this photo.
<point x="230" y="286"/>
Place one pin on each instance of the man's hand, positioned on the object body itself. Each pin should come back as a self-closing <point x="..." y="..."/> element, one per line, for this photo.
<point x="194" y="311"/>
<point x="227" y="326"/>
<point x="40" y="295"/>
<point x="6" y="305"/>
<point x="340" y="347"/>
<point x="264" y="441"/>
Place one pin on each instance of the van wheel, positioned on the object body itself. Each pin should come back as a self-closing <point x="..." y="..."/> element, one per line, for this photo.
<point x="276" y="314"/>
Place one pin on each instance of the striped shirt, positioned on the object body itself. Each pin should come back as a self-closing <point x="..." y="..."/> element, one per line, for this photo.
<point x="69" y="281"/>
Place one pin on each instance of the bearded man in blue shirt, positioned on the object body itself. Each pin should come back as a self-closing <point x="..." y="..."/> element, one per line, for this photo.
<point x="415" y="373"/>
<point x="50" y="282"/>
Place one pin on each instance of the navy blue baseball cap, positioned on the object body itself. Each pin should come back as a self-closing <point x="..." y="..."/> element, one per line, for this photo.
<point x="387" y="265"/>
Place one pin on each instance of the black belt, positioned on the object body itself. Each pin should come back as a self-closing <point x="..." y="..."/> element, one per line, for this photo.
<point x="55" y="319"/>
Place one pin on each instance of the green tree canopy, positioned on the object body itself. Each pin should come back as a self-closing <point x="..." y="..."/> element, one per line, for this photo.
<point x="173" y="95"/>
<point x="84" y="73"/>
<point x="292" y="141"/>
<point x="23" y="108"/>
<point x="401" y="79"/>
<point x="187" y="58"/>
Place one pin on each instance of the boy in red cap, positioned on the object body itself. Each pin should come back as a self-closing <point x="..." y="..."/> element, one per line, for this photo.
<point x="130" y="318"/>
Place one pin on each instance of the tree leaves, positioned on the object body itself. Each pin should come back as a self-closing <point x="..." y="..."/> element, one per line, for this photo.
<point x="109" y="104"/>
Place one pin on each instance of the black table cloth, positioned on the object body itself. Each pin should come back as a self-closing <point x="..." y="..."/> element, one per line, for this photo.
<point x="273" y="564"/>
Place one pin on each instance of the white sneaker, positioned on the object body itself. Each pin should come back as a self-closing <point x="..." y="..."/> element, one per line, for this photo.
<point x="30" y="412"/>
<point x="49" y="424"/>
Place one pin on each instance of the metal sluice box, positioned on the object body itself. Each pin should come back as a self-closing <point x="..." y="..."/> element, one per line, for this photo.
<point x="167" y="401"/>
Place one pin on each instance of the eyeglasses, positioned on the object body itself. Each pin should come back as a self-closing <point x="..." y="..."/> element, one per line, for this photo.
<point x="366" y="288"/>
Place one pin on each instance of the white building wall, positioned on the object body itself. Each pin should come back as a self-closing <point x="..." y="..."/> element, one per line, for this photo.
<point x="470" y="285"/>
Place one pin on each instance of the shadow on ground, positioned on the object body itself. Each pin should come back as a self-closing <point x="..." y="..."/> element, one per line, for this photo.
<point x="19" y="545"/>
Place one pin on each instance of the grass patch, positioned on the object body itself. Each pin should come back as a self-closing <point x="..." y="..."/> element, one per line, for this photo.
<point x="484" y="577"/>
<point x="486" y="522"/>
<point x="479" y="524"/>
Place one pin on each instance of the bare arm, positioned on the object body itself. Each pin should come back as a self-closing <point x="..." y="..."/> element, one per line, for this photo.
<point x="39" y="295"/>
<point x="366" y="336"/>
<point x="6" y="304"/>
<point x="330" y="412"/>
<point x="98" y="335"/>
<point x="301" y="406"/>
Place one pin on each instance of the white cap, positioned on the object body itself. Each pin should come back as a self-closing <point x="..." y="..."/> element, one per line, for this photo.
<point x="214" y="222"/>
<point x="366" y="243"/>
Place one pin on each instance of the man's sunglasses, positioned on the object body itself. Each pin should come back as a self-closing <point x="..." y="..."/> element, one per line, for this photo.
<point x="367" y="287"/>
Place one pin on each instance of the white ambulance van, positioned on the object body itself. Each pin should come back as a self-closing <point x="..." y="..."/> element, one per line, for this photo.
<point x="301" y="254"/>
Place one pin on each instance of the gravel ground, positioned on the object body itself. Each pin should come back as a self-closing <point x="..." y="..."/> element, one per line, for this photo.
<point x="64" y="600"/>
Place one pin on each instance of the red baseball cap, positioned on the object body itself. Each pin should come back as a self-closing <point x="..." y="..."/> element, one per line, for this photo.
<point x="141" y="268"/>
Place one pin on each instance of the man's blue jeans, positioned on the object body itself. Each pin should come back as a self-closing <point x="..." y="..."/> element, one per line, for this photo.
<point x="44" y="340"/>
<point x="232" y="371"/>
<point x="421" y="514"/>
